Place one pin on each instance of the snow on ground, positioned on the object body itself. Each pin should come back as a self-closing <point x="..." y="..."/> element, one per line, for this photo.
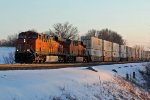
<point x="4" y="52"/>
<point x="71" y="83"/>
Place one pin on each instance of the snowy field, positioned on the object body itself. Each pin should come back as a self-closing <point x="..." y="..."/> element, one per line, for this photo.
<point x="4" y="52"/>
<point x="104" y="82"/>
<point x="72" y="83"/>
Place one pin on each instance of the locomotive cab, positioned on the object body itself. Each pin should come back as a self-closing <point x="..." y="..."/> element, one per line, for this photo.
<point x="25" y="44"/>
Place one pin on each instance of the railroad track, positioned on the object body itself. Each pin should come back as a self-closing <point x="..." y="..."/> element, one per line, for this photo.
<point x="52" y="65"/>
<point x="42" y="66"/>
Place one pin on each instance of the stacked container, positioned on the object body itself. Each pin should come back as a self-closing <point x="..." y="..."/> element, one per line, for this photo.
<point x="133" y="54"/>
<point x="129" y="53"/>
<point x="136" y="54"/>
<point x="148" y="58"/>
<point x="146" y="55"/>
<point x="115" y="52"/>
<point x="107" y="51"/>
<point x="123" y="53"/>
<point x="140" y="54"/>
<point x="143" y="55"/>
<point x="94" y="47"/>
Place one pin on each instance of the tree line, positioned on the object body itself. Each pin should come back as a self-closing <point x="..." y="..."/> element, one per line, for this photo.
<point x="108" y="35"/>
<point x="10" y="41"/>
<point x="66" y="30"/>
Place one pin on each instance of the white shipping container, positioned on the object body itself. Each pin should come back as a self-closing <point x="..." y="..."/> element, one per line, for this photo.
<point x="93" y="52"/>
<point x="92" y="42"/>
<point x="129" y="52"/>
<point x="116" y="54"/>
<point x="123" y="48"/>
<point x="137" y="52"/>
<point x="107" y="54"/>
<point x="148" y="55"/>
<point x="133" y="52"/>
<point x="115" y="47"/>
<point x="144" y="54"/>
<point x="123" y="55"/>
<point x="107" y="45"/>
<point x="96" y="43"/>
<point x="51" y="58"/>
<point x="140" y="52"/>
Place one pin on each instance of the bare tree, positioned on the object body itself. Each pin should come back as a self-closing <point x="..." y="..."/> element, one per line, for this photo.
<point x="10" y="59"/>
<point x="10" y="41"/>
<point x="65" y="30"/>
<point x="91" y="33"/>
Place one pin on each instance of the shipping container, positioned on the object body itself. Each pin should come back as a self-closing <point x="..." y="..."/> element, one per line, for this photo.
<point x="136" y="53"/>
<point x="129" y="53"/>
<point x="140" y="54"/>
<point x="148" y="58"/>
<point x="116" y="56"/>
<point x="108" y="56"/>
<point x="92" y="42"/>
<point x="115" y="47"/>
<point x="122" y="49"/>
<point x="108" y="46"/>
<point x="123" y="53"/>
<point x="96" y="55"/>
<point x="133" y="51"/>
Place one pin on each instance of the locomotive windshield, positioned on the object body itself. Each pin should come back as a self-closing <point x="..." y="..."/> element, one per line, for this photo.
<point x="32" y="36"/>
<point x="22" y="36"/>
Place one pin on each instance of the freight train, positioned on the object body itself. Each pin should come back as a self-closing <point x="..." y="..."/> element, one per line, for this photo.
<point x="33" y="47"/>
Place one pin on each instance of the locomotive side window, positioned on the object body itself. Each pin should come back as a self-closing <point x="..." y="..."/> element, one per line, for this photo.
<point x="22" y="36"/>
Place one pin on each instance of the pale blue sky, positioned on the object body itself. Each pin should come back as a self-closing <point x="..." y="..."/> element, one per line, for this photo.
<point x="130" y="18"/>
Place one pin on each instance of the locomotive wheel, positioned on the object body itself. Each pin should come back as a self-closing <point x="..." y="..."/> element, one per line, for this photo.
<point x="61" y="59"/>
<point x="70" y="59"/>
<point x="40" y="61"/>
<point x="44" y="59"/>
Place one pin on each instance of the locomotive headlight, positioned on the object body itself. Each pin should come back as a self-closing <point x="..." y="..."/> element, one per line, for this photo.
<point x="17" y="50"/>
<point x="28" y="50"/>
<point x="24" y="40"/>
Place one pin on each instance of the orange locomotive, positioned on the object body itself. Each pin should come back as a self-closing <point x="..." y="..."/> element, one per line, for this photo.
<point x="34" y="47"/>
